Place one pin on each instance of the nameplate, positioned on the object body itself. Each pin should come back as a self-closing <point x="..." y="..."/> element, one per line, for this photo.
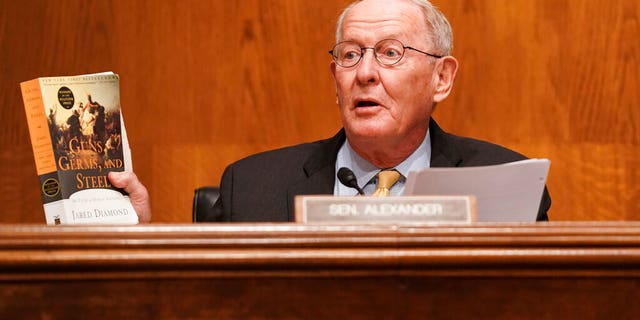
<point x="396" y="209"/>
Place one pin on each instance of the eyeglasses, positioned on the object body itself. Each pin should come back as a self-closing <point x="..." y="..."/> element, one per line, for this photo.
<point x="388" y="52"/>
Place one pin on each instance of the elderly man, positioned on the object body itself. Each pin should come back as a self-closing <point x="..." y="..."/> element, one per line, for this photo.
<point x="391" y="66"/>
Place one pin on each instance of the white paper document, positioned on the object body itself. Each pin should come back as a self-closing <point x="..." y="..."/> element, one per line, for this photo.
<point x="509" y="192"/>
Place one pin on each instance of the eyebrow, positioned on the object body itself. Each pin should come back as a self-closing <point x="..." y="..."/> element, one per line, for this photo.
<point x="387" y="37"/>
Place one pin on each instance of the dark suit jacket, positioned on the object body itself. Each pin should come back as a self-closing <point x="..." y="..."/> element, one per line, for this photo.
<point x="261" y="187"/>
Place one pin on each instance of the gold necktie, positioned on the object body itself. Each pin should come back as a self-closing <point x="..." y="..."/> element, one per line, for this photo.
<point x="386" y="179"/>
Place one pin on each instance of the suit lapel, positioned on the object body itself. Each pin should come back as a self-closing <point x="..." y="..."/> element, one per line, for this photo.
<point x="443" y="151"/>
<point x="319" y="170"/>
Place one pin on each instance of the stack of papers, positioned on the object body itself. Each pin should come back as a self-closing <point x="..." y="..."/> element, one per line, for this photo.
<point x="509" y="192"/>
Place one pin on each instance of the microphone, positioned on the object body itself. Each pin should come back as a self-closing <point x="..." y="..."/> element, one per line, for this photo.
<point x="348" y="178"/>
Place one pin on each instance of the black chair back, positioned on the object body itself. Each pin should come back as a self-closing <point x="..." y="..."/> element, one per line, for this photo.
<point x="203" y="200"/>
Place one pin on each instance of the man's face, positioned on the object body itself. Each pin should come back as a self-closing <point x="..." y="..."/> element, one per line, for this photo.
<point x="386" y="103"/>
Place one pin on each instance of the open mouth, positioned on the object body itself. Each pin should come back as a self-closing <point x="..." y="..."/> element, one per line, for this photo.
<point x="366" y="103"/>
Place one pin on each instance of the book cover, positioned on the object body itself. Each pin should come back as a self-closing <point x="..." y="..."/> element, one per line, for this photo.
<point x="78" y="137"/>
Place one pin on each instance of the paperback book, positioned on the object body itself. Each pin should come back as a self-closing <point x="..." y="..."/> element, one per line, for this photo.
<point x="78" y="136"/>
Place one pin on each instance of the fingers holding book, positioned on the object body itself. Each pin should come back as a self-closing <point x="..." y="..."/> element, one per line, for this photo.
<point x="138" y="193"/>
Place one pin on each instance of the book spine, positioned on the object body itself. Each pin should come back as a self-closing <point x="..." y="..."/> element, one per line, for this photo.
<point x="50" y="189"/>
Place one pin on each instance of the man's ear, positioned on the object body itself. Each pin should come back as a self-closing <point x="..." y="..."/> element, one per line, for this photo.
<point x="332" y="67"/>
<point x="446" y="74"/>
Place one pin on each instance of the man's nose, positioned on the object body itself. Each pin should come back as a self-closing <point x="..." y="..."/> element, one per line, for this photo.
<point x="367" y="69"/>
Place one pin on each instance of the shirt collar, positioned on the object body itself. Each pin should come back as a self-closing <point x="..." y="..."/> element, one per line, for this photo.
<point x="365" y="171"/>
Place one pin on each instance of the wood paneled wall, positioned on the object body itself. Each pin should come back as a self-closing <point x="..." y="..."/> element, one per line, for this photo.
<point x="204" y="83"/>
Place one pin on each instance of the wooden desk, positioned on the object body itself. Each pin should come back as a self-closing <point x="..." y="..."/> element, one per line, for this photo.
<point x="289" y="271"/>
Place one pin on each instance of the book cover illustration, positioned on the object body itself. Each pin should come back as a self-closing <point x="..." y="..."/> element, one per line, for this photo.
<point x="78" y="136"/>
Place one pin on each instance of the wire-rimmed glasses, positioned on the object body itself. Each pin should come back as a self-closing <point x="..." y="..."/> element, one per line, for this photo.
<point x="387" y="52"/>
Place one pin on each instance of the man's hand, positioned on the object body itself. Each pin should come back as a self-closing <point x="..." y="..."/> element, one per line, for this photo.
<point x="137" y="193"/>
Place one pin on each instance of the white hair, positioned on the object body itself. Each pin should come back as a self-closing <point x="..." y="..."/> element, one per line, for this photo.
<point x="441" y="34"/>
